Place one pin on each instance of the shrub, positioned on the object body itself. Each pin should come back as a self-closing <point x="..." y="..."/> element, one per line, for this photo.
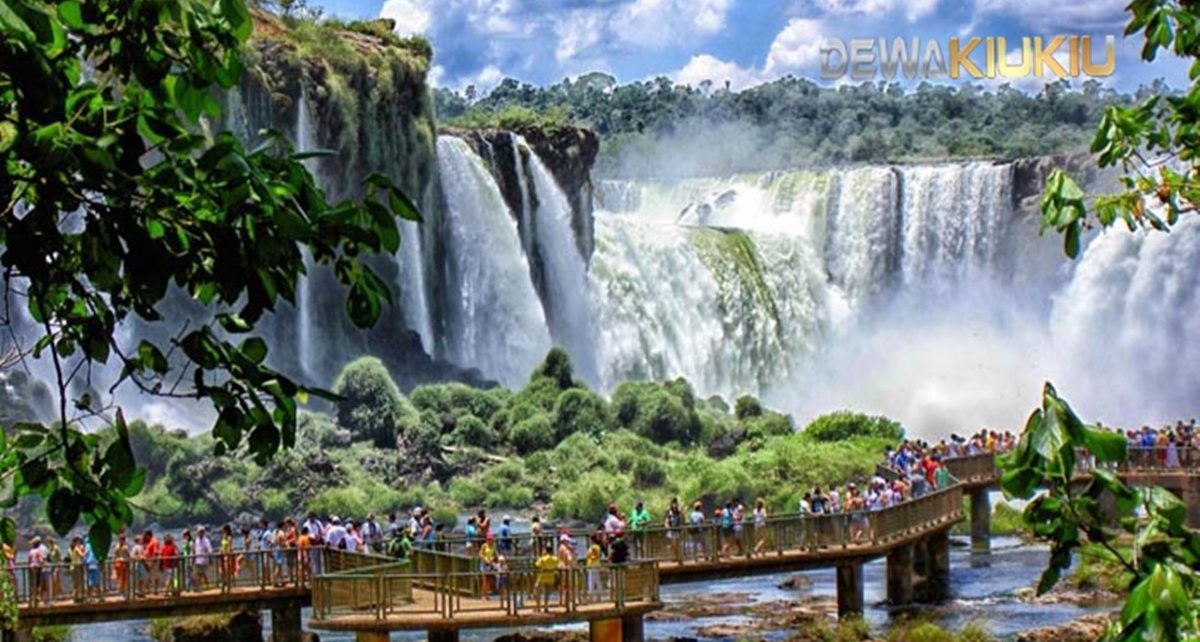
<point x="580" y="410"/>
<point x="540" y="393"/>
<point x="320" y="431"/>
<point x="654" y="412"/>
<point x="843" y="425"/>
<point x="587" y="496"/>
<point x="275" y="503"/>
<point x="556" y="367"/>
<point x="533" y="434"/>
<point x="344" y="500"/>
<point x="769" y="424"/>
<point x="471" y="431"/>
<point x="919" y="632"/>
<point x="372" y="406"/>
<point x="747" y="406"/>
<point x="715" y="405"/>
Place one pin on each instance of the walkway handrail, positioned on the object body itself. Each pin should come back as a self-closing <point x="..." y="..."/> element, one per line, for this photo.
<point x="510" y="592"/>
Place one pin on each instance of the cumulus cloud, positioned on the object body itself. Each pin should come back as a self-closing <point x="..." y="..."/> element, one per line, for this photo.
<point x="913" y="10"/>
<point x="411" y="16"/>
<point x="707" y="67"/>
<point x="1075" y="17"/>
<point x="796" y="48"/>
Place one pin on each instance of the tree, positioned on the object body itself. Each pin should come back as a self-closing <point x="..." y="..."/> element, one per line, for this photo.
<point x="112" y="196"/>
<point x="370" y="405"/>
<point x="1155" y="144"/>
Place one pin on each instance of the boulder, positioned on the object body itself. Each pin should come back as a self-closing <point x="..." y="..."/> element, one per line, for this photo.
<point x="243" y="626"/>
<point x="1088" y="628"/>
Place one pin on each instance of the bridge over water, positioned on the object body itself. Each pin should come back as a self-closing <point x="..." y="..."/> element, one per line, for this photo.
<point x="445" y="591"/>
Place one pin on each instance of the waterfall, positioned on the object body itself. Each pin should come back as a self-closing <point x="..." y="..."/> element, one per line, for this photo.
<point x="526" y="217"/>
<point x="567" y="305"/>
<point x="305" y="301"/>
<point x="495" y="320"/>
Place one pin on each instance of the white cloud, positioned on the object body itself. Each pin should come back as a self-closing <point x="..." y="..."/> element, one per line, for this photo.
<point x="411" y="16"/>
<point x="1093" y="15"/>
<point x="706" y="67"/>
<point x="913" y="9"/>
<point x="658" y="23"/>
<point x="796" y="47"/>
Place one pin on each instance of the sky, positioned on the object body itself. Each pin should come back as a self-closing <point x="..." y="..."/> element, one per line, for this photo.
<point x="744" y="42"/>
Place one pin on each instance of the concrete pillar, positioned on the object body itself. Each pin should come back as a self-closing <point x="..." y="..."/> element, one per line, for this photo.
<point x="605" y="630"/>
<point x="285" y="622"/>
<point x="938" y="552"/>
<point x="900" y="576"/>
<point x="981" y="520"/>
<point x="920" y="559"/>
<point x="442" y="635"/>
<point x="374" y="636"/>
<point x="632" y="628"/>
<point x="1191" y="497"/>
<point x="850" y="590"/>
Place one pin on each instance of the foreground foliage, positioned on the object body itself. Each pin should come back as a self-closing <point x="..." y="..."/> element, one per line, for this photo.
<point x="112" y="195"/>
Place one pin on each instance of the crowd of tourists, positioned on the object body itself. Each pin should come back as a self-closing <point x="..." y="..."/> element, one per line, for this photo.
<point x="1169" y="446"/>
<point x="285" y="552"/>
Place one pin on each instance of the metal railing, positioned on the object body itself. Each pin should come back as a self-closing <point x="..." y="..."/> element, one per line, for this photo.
<point x="176" y="577"/>
<point x="497" y="592"/>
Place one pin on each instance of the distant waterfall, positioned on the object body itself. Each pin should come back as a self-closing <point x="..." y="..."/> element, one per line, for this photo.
<point x="567" y="307"/>
<point x="305" y="301"/>
<point x="495" y="320"/>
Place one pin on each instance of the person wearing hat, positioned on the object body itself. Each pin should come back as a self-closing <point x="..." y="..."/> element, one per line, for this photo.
<point x="336" y="537"/>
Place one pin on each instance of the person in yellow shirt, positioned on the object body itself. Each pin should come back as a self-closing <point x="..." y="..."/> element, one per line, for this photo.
<point x="487" y="563"/>
<point x="592" y="562"/>
<point x="547" y="572"/>
<point x="303" y="548"/>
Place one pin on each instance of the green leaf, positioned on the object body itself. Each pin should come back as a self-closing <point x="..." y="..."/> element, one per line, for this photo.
<point x="8" y="530"/>
<point x="100" y="537"/>
<point x="71" y="13"/>
<point x="63" y="510"/>
<point x="1104" y="445"/>
<point x="254" y="349"/>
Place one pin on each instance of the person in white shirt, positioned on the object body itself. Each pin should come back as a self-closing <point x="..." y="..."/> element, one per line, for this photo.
<point x="414" y="524"/>
<point x="336" y="536"/>
<point x="200" y="562"/>
<point x="372" y="534"/>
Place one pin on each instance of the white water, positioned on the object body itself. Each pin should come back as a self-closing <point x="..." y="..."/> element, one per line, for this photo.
<point x="567" y="305"/>
<point x="495" y="320"/>
<point x="918" y="292"/>
<point x="305" y="301"/>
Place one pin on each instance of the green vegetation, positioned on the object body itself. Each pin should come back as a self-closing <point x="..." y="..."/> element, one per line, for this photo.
<point x="922" y="630"/>
<point x="1006" y="520"/>
<point x="455" y="447"/>
<point x="794" y="122"/>
<point x="51" y="634"/>
<point x="1101" y="568"/>
<point x="839" y="426"/>
<point x="162" y="199"/>
<point x="822" y="629"/>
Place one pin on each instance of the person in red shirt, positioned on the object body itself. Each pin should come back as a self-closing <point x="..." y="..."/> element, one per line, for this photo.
<point x="168" y="555"/>
<point x="151" y="553"/>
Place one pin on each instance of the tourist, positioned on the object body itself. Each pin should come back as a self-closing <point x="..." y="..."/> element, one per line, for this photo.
<point x="804" y="509"/>
<point x="535" y="533"/>
<point x="393" y="527"/>
<point x="352" y="542"/>
<point x="416" y="523"/>
<point x="92" y="565"/>
<point x="817" y="501"/>
<point x="506" y="542"/>
<point x="150" y="555"/>
<point x="501" y="569"/>
<point x="335" y="537"/>
<point x="547" y="573"/>
<point x="483" y="524"/>
<point x="673" y="521"/>
<point x="372" y="535"/>
<point x="279" y="550"/>
<point x="38" y="573"/>
<point x="187" y="550"/>
<point x="471" y="532"/>
<point x="487" y="561"/>
<point x="141" y="574"/>
<point x="54" y="558"/>
<point x="121" y="565"/>
<point x="592" y="565"/>
<point x="203" y="549"/>
<point x="304" y="546"/>
<point x="168" y="560"/>
<point x="613" y="521"/>
<point x="431" y="534"/>
<point x="249" y="560"/>
<point x="618" y="548"/>
<point x="640" y="518"/>
<point x="760" y="525"/>
<point x="835" y="502"/>
<point x="78" y="581"/>
<point x="856" y="507"/>
<point x="229" y="569"/>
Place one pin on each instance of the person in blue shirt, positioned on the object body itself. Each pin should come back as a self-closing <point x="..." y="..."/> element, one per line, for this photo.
<point x="506" y="540"/>
<point x="92" y="564"/>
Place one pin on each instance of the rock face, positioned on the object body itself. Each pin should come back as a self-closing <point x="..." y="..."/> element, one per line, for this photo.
<point x="1029" y="176"/>
<point x="568" y="153"/>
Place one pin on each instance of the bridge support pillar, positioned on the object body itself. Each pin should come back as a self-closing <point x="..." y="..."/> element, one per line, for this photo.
<point x="285" y="623"/>
<point x="376" y="636"/>
<point x="23" y="634"/>
<point x="981" y="520"/>
<point x="900" y="575"/>
<point x="632" y="628"/>
<point x="850" y="590"/>
<point x="938" y="562"/>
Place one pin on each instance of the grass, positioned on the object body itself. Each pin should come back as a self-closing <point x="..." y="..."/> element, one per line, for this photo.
<point x="206" y="625"/>
<point x="920" y="629"/>
<point x="1097" y="568"/>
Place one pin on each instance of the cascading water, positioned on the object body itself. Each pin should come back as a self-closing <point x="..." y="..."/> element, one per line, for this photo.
<point x="567" y="305"/>
<point x="494" y="318"/>
<point x="305" y="345"/>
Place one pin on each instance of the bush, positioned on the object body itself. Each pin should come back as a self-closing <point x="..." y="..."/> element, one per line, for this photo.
<point x="372" y="406"/>
<point x="471" y="431"/>
<point x="348" y="501"/>
<point x="843" y="425"/>
<point x="540" y="393"/>
<point x="556" y="367"/>
<point x="320" y="431"/>
<point x="580" y="410"/>
<point x="747" y="406"/>
<point x="533" y="434"/>
<point x="769" y="424"/>
<point x="459" y="399"/>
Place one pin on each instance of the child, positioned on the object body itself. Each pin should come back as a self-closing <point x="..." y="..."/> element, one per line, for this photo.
<point x="592" y="562"/>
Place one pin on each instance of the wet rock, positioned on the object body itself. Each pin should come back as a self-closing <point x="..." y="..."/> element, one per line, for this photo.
<point x="1085" y="629"/>
<point x="244" y="626"/>
<point x="1068" y="594"/>
<point x="544" y="636"/>
<point x="798" y="582"/>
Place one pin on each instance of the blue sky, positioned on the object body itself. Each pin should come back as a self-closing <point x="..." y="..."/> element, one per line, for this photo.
<point x="741" y="41"/>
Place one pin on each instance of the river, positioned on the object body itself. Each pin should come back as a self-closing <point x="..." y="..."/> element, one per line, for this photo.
<point x="983" y="591"/>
